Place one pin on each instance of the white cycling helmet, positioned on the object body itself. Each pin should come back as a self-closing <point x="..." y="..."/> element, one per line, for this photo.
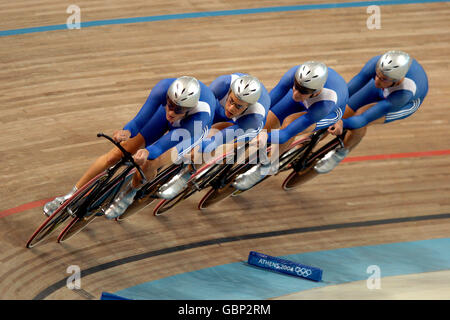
<point x="394" y="64"/>
<point x="312" y="75"/>
<point x="247" y="88"/>
<point x="185" y="92"/>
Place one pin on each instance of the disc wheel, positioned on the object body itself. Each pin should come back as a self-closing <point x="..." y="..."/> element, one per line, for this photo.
<point x="61" y="215"/>
<point x="76" y="225"/>
<point x="165" y="205"/>
<point x="295" y="179"/>
<point x="145" y="201"/>
<point x="215" y="195"/>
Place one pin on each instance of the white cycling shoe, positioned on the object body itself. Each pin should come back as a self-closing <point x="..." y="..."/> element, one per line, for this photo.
<point x="331" y="160"/>
<point x="50" y="207"/>
<point x="121" y="203"/>
<point x="175" y="185"/>
<point x="251" y="177"/>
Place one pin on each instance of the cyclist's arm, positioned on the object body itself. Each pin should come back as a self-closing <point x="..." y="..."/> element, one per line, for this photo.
<point x="283" y="86"/>
<point x="245" y="129"/>
<point x="190" y="134"/>
<point x="315" y="113"/>
<point x="156" y="98"/>
<point x="396" y="99"/>
<point x="364" y="76"/>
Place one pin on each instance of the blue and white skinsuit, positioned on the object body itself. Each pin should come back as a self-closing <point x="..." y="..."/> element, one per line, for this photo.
<point x="323" y="110"/>
<point x="393" y="103"/>
<point x="160" y="135"/>
<point x="245" y="126"/>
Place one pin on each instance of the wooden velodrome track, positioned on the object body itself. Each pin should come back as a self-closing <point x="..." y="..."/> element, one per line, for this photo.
<point x="59" y="88"/>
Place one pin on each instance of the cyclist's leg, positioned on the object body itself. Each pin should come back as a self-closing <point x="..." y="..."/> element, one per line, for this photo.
<point x="257" y="173"/>
<point x="402" y="113"/>
<point x="150" y="168"/>
<point x="355" y="136"/>
<point x="202" y="157"/>
<point x="272" y="121"/>
<point x="158" y="125"/>
<point x="111" y="158"/>
<point x="352" y="139"/>
<point x="181" y="152"/>
<point x="103" y="162"/>
<point x="280" y="111"/>
<point x="281" y="115"/>
<point x="285" y="146"/>
<point x="280" y="149"/>
<point x="126" y="197"/>
<point x="358" y="103"/>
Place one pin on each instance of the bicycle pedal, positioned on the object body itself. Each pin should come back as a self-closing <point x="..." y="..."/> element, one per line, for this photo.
<point x="71" y="212"/>
<point x="195" y="184"/>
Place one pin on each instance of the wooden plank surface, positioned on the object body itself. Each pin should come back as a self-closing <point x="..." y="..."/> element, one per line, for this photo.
<point x="59" y="88"/>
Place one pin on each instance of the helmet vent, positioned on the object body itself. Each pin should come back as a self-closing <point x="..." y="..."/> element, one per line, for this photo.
<point x="315" y="76"/>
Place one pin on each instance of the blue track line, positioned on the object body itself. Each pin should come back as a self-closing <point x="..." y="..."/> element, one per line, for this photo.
<point x="216" y="14"/>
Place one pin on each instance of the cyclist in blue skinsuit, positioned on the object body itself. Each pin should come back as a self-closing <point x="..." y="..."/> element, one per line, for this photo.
<point x="240" y="108"/>
<point x="242" y="103"/>
<point x="308" y="97"/>
<point x="176" y="108"/>
<point x="388" y="88"/>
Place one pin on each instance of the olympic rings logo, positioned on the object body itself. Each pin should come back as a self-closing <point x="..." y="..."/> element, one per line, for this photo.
<point x="303" y="272"/>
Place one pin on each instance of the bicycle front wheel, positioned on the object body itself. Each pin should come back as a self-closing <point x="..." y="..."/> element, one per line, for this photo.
<point x="61" y="215"/>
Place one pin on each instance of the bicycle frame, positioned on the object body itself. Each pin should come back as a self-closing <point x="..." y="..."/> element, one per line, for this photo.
<point x="86" y="205"/>
<point x="308" y="157"/>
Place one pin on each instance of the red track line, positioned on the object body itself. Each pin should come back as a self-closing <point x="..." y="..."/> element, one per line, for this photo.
<point x="40" y="203"/>
<point x="24" y="207"/>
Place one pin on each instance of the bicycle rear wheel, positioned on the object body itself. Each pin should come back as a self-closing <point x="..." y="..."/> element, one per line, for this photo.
<point x="295" y="179"/>
<point x="214" y="196"/>
<point x="140" y="203"/>
<point x="197" y="182"/>
<point x="306" y="173"/>
<point x="61" y="215"/>
<point x="167" y="204"/>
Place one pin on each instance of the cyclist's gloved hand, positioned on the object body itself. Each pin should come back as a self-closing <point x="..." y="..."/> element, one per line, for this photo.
<point x="336" y="128"/>
<point x="141" y="156"/>
<point x="121" y="135"/>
